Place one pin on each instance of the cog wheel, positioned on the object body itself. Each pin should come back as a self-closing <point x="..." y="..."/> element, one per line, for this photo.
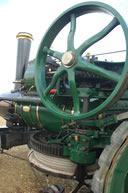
<point x="39" y="143"/>
<point x="48" y="157"/>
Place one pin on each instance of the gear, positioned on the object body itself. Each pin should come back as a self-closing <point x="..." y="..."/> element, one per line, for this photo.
<point x="48" y="157"/>
<point x="39" y="143"/>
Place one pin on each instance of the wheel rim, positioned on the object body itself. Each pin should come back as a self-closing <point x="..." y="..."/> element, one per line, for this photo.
<point x="117" y="176"/>
<point x="126" y="184"/>
<point x="54" y="29"/>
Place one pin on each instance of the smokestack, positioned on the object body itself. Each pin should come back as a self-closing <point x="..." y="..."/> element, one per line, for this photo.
<point x="23" y="51"/>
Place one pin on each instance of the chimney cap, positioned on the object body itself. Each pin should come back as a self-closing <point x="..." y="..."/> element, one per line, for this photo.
<point x="24" y="35"/>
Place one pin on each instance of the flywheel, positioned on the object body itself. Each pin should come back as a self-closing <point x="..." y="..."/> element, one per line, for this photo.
<point x="72" y="61"/>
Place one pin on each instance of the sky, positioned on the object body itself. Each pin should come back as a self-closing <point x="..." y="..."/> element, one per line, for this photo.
<point x="35" y="16"/>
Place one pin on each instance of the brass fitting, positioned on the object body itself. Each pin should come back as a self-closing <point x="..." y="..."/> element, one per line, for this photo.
<point x="24" y="35"/>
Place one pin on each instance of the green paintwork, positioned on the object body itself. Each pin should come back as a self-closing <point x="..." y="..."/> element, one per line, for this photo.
<point x="45" y="120"/>
<point x="29" y="76"/>
<point x="81" y="157"/>
<point x="101" y="124"/>
<point x="84" y="149"/>
<point x="70" y="16"/>
<point x="118" y="177"/>
<point x="80" y="150"/>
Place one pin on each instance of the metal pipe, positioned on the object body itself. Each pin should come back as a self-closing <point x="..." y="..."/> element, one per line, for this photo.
<point x="23" y="51"/>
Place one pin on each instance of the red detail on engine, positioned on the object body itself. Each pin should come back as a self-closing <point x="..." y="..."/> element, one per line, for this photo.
<point x="52" y="91"/>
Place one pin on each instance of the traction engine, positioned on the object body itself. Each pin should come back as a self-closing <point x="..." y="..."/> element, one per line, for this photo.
<point x="71" y="110"/>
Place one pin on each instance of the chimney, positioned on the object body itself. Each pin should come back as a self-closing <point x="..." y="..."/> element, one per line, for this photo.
<point x="23" y="51"/>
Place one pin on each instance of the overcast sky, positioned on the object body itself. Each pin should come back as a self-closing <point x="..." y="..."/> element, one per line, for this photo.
<point x="33" y="16"/>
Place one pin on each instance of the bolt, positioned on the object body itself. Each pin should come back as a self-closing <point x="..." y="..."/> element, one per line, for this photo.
<point x="69" y="145"/>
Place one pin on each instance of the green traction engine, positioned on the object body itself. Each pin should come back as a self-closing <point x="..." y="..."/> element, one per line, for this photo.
<point x="72" y="110"/>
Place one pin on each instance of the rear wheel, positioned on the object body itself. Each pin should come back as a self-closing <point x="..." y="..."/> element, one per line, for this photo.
<point x="113" y="173"/>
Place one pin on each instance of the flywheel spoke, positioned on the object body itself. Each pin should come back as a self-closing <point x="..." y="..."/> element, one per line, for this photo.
<point x="84" y="65"/>
<point x="85" y="45"/>
<point x="53" y="53"/>
<point x="58" y="73"/>
<point x="72" y="32"/>
<point x="74" y="92"/>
